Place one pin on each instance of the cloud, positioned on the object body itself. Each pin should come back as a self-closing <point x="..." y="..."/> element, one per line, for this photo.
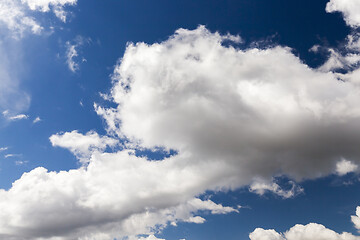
<point x="151" y="237"/>
<point x="72" y="52"/>
<point x="18" y="117"/>
<point x="259" y="111"/>
<point x="259" y="186"/>
<point x="261" y="234"/>
<point x="13" y="15"/>
<point x="20" y="162"/>
<point x="116" y="195"/>
<point x="12" y="98"/>
<point x="344" y="167"/>
<point x="3" y="149"/>
<point x="57" y="6"/>
<point x="82" y="146"/>
<point x="232" y="115"/>
<point x="36" y="120"/>
<point x="311" y="231"/>
<point x="350" y="10"/>
<point x="17" y="15"/>
<point x="356" y="219"/>
<point x="11" y="117"/>
<point x="11" y="155"/>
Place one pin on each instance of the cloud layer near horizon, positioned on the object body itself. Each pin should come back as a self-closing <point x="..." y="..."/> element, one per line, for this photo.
<point x="311" y="231"/>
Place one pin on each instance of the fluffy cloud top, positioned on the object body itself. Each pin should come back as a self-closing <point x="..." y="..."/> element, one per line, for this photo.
<point x="82" y="146"/>
<point x="16" y="14"/>
<point x="259" y="111"/>
<point x="311" y="231"/>
<point x="349" y="8"/>
<point x="344" y="167"/>
<point x="116" y="195"/>
<point x="356" y="219"/>
<point x="57" y="6"/>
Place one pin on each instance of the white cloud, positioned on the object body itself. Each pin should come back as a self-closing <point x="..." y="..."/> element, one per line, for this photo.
<point x="57" y="6"/>
<point x="20" y="162"/>
<point x="261" y="234"/>
<point x="349" y="8"/>
<point x="344" y="167"/>
<point x="3" y="149"/>
<point x="18" y="117"/>
<point x="260" y="186"/>
<point x="82" y="146"/>
<point x="17" y="15"/>
<point x="11" y="155"/>
<point x="11" y="117"/>
<point x="356" y="219"/>
<point x="72" y="53"/>
<point x="150" y="237"/>
<point x="116" y="195"/>
<point x="231" y="114"/>
<point x="14" y="16"/>
<point x="36" y="120"/>
<point x="220" y="105"/>
<point x="311" y="231"/>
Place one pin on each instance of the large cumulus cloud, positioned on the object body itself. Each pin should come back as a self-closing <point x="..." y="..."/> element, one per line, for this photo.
<point x="232" y="115"/>
<point x="261" y="111"/>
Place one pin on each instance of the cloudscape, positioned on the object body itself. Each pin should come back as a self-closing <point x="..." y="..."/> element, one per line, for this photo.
<point x="173" y="120"/>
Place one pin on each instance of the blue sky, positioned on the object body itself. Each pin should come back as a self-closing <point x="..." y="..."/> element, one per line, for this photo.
<point x="147" y="120"/>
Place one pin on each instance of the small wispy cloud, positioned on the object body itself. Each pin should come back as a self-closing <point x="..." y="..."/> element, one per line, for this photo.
<point x="260" y="187"/>
<point x="18" y="117"/>
<point x="20" y="163"/>
<point x="11" y="155"/>
<point x="11" y="117"/>
<point x="3" y="149"/>
<point x="72" y="53"/>
<point x="36" y="120"/>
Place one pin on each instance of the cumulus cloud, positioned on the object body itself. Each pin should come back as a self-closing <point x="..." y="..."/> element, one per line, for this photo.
<point x="118" y="194"/>
<point x="344" y="167"/>
<point x="259" y="111"/>
<point x="350" y="10"/>
<point x="232" y="115"/>
<point x="82" y="146"/>
<point x="150" y="237"/>
<point x="356" y="219"/>
<point x="311" y="231"/>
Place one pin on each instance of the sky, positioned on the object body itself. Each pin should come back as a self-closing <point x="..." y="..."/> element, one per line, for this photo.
<point x="173" y="120"/>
